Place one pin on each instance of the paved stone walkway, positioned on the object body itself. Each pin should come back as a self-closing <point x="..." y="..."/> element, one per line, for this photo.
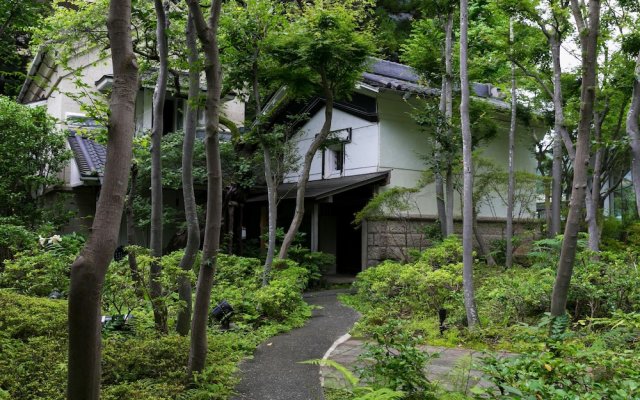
<point x="275" y="373"/>
<point x="452" y="367"/>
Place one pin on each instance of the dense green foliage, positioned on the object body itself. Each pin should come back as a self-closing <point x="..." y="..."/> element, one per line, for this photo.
<point x="32" y="152"/>
<point x="594" y="351"/>
<point x="420" y="288"/>
<point x="33" y="329"/>
<point x="236" y="170"/>
<point x="397" y="363"/>
<point x="17" y="19"/>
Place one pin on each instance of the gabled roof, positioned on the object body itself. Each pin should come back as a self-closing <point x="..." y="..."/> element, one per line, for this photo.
<point x="89" y="155"/>
<point x="380" y="75"/>
<point x="391" y="75"/>
<point x="323" y="188"/>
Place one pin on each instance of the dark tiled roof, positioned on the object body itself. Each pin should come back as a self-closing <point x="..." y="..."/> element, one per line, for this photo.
<point x="89" y="155"/>
<point x="391" y="75"/>
<point x="323" y="188"/>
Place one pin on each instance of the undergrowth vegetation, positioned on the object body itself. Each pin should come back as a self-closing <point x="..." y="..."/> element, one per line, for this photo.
<point x="591" y="354"/>
<point x="137" y="362"/>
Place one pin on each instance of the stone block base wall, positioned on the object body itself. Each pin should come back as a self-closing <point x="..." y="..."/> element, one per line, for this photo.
<point x="395" y="239"/>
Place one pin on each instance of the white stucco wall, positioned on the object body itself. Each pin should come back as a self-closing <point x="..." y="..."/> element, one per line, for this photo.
<point x="396" y="144"/>
<point x="59" y="104"/>
<point x="403" y="147"/>
<point x="361" y="154"/>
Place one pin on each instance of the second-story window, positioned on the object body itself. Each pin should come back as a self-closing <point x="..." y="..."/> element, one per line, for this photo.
<point x="334" y="154"/>
<point x="338" y="158"/>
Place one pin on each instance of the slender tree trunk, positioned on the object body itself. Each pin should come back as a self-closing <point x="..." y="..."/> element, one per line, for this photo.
<point x="547" y="208"/>
<point x="440" y="161"/>
<point x="589" y="43"/>
<point x="155" y="289"/>
<point x="231" y="210"/>
<point x="190" y="210"/>
<point x="306" y="168"/>
<point x="594" y="201"/>
<point x="89" y="269"/>
<point x="450" y="199"/>
<point x="208" y="35"/>
<point x="467" y="204"/>
<point x="485" y="251"/>
<point x="634" y="133"/>
<point x="512" y="179"/>
<point x="272" y="199"/>
<point x="593" y="228"/>
<point x="556" y="168"/>
<point x="448" y="68"/>
<point x="270" y="179"/>
<point x="131" y="232"/>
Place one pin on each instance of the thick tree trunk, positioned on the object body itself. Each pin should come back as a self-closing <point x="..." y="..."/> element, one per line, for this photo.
<point x="633" y="131"/>
<point x="306" y="168"/>
<point x="589" y="43"/>
<point x="512" y="179"/>
<point x="208" y="35"/>
<point x="155" y="289"/>
<point x="89" y="269"/>
<point x="556" y="168"/>
<point x="190" y="210"/>
<point x="467" y="203"/>
<point x="448" y="69"/>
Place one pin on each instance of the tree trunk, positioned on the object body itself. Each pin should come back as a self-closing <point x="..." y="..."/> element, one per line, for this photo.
<point x="448" y="68"/>
<point x="208" y="35"/>
<point x="467" y="204"/>
<point x="512" y="179"/>
<point x="131" y="232"/>
<point x="272" y="202"/>
<point x="270" y="179"/>
<point x="634" y="133"/>
<point x="304" y="177"/>
<point x="231" y="210"/>
<point x="547" y="208"/>
<point x="440" y="199"/>
<point x="155" y="287"/>
<point x="485" y="251"/>
<point x="589" y="42"/>
<point x="556" y="168"/>
<point x="190" y="210"/>
<point x="594" y="201"/>
<point x="450" y="200"/>
<point x="89" y="269"/>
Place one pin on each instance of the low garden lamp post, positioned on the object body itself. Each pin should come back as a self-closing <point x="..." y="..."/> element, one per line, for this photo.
<point x="222" y="313"/>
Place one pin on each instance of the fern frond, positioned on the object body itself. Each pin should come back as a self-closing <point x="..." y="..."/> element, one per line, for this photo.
<point x="348" y="375"/>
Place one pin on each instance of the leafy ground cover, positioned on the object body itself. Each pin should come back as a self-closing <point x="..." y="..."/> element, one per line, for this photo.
<point x="593" y="351"/>
<point x="137" y="362"/>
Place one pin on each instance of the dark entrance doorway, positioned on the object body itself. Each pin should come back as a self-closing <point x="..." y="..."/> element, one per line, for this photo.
<point x="348" y="242"/>
<point x="337" y="232"/>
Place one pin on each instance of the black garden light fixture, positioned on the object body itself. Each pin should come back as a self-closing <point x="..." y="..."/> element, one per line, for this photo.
<point x="222" y="313"/>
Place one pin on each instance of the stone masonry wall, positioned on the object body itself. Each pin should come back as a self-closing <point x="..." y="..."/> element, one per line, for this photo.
<point x="395" y="238"/>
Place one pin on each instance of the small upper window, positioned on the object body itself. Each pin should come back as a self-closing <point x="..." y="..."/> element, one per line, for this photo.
<point x="338" y="159"/>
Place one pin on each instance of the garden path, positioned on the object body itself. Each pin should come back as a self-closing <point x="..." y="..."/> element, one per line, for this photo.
<point x="451" y="367"/>
<point x="274" y="373"/>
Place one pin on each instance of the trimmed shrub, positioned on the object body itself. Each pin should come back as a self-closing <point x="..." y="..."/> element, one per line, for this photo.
<point x="433" y="282"/>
